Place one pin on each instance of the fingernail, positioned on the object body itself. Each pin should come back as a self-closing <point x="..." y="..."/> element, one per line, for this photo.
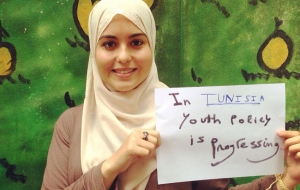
<point x="280" y="132"/>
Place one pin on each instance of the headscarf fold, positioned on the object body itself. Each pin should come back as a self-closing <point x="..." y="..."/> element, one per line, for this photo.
<point x="109" y="117"/>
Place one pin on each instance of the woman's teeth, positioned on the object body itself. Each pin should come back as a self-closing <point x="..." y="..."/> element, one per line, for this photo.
<point x="123" y="71"/>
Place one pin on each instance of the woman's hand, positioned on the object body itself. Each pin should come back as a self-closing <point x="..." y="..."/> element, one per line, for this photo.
<point x="291" y="177"/>
<point x="133" y="149"/>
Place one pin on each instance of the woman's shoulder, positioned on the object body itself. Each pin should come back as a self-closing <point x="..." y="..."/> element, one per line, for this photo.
<point x="70" y="119"/>
<point x="72" y="111"/>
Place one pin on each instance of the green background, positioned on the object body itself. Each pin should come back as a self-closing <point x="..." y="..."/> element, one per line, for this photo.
<point x="191" y="35"/>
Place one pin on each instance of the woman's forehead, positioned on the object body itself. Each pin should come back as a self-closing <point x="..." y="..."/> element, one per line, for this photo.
<point x="120" y="23"/>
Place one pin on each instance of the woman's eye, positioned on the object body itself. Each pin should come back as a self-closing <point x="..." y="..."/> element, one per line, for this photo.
<point x="109" y="44"/>
<point x="136" y="42"/>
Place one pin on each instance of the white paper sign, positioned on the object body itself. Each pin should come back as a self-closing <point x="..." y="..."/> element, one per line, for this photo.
<point x="219" y="132"/>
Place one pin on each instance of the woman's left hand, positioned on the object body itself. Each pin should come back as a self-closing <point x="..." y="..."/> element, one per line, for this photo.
<point x="291" y="177"/>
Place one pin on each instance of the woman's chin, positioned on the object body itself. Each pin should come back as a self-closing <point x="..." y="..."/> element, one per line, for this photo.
<point x="121" y="88"/>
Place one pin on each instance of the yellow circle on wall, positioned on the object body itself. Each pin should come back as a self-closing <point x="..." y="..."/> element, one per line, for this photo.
<point x="5" y="61"/>
<point x="275" y="53"/>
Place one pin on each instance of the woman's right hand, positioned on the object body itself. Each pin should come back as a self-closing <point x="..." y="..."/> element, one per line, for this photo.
<point x="133" y="149"/>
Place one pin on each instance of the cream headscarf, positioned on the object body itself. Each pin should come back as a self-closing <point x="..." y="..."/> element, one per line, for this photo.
<point x="109" y="117"/>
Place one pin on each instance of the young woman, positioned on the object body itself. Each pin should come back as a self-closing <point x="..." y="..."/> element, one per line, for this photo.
<point x="109" y="142"/>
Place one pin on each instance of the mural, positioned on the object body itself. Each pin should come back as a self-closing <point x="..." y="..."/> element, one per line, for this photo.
<point x="8" y="59"/>
<point x="44" y="51"/>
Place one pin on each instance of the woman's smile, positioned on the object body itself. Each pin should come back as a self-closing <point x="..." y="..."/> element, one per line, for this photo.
<point x="124" y="72"/>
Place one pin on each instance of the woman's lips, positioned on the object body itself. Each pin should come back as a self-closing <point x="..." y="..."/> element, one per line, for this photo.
<point x="124" y="72"/>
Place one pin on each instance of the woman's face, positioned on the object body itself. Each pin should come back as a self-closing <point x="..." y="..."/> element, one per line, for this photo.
<point x="123" y="55"/>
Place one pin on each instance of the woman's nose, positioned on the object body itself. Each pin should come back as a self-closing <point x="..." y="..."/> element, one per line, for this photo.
<point x="123" y="55"/>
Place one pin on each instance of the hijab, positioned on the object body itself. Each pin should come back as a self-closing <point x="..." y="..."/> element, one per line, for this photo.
<point x="109" y="117"/>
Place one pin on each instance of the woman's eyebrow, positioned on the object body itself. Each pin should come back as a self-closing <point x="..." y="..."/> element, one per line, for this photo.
<point x="107" y="36"/>
<point x="114" y="37"/>
<point x="137" y="34"/>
